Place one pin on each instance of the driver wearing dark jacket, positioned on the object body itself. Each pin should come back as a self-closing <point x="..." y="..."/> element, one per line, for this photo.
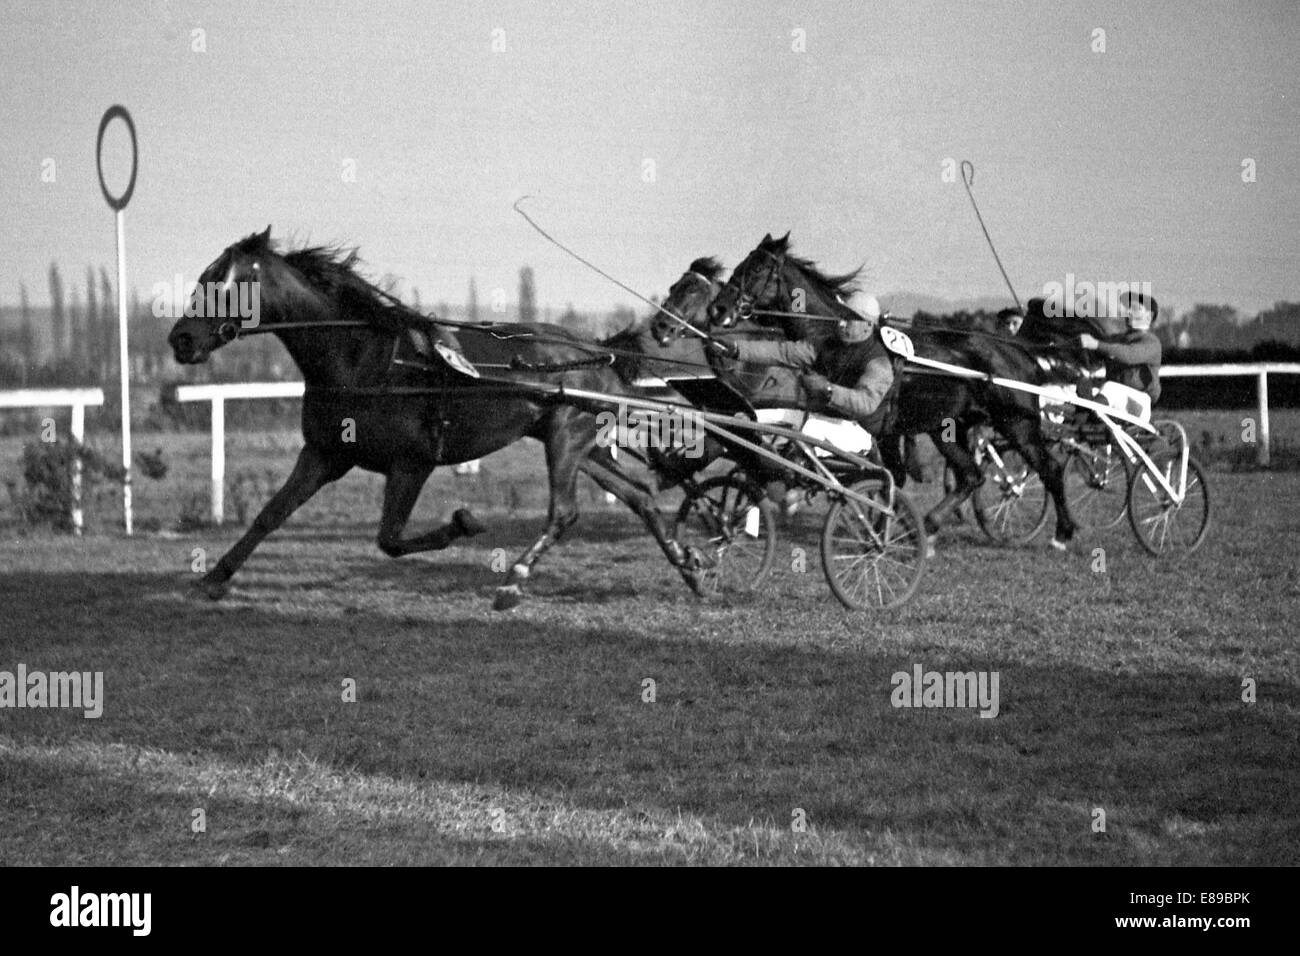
<point x="849" y="376"/>
<point x="1133" y="357"/>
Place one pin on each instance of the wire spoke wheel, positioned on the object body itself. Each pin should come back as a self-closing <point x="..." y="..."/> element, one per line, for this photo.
<point x="735" y="526"/>
<point x="873" y="560"/>
<point x="1163" y="525"/>
<point x="1096" y="486"/>
<point x="1011" y="504"/>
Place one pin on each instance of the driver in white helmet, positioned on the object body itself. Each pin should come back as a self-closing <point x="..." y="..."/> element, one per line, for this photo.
<point x="851" y="375"/>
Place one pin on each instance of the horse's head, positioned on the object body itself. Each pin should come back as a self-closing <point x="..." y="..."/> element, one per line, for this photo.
<point x="231" y="297"/>
<point x="688" y="299"/>
<point x="772" y="279"/>
<point x="757" y="283"/>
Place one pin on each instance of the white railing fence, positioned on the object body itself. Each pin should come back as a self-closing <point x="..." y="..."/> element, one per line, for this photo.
<point x="1261" y="371"/>
<point x="75" y="398"/>
<point x="219" y="394"/>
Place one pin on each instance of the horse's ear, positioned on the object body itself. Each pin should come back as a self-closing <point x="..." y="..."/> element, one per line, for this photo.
<point x="767" y="240"/>
<point x="265" y="238"/>
<point x="785" y="240"/>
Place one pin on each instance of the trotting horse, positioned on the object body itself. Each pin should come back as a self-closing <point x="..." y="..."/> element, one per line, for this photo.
<point x="368" y="407"/>
<point x="772" y="280"/>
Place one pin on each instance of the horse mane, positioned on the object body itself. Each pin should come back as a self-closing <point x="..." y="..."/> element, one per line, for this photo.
<point x="709" y="267"/>
<point x="334" y="270"/>
<point x="629" y="355"/>
<point x="842" y="285"/>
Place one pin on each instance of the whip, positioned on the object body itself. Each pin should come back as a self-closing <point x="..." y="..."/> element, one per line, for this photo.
<point x="601" y="272"/>
<point x="968" y="180"/>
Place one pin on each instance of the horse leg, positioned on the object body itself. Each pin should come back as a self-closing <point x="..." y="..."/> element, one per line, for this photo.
<point x="566" y="443"/>
<point x="605" y="471"/>
<point x="892" y="456"/>
<point x="312" y="471"/>
<point x="912" y="459"/>
<point x="401" y="491"/>
<point x="957" y="454"/>
<point x="1026" y="436"/>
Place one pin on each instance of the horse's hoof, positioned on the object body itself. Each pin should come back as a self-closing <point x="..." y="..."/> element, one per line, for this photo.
<point x="929" y="546"/>
<point x="694" y="578"/>
<point x="508" y="597"/>
<point x="467" y="524"/>
<point x="1059" y="545"/>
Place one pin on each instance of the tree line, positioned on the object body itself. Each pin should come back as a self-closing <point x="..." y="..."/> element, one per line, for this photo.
<point x="74" y="340"/>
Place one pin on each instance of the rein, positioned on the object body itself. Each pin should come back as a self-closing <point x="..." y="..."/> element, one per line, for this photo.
<point x="602" y="355"/>
<point x="517" y="363"/>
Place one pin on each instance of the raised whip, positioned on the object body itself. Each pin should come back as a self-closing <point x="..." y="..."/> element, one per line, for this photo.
<point x="594" y="268"/>
<point x="968" y="180"/>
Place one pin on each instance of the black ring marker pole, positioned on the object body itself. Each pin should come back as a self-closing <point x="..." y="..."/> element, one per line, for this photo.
<point x="118" y="204"/>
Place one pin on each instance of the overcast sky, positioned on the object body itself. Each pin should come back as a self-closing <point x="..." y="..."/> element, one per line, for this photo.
<point x="1122" y="165"/>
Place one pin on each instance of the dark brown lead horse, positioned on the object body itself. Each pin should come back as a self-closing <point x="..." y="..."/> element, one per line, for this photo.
<point x="367" y="406"/>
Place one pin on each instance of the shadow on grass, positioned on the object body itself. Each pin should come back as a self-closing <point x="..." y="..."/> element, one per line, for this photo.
<point x="553" y="706"/>
<point x="466" y="567"/>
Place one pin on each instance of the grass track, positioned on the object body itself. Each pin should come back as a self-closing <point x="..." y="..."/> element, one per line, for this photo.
<point x="1119" y="690"/>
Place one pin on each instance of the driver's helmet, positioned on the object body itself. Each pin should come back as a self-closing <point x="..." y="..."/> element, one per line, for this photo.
<point x="867" y="306"/>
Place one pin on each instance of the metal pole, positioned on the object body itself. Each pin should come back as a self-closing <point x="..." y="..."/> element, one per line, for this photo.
<point x="118" y="205"/>
<point x="611" y="498"/>
<point x="218" y="460"/>
<point x="1262" y="453"/>
<point x="78" y="435"/>
<point x="124" y="367"/>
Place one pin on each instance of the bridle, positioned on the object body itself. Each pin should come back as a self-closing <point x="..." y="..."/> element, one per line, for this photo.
<point x="745" y="301"/>
<point x="711" y="288"/>
<point x="227" y="332"/>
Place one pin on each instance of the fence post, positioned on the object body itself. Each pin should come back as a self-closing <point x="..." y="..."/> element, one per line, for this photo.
<point x="218" y="459"/>
<point x="78" y="434"/>
<point x="610" y="497"/>
<point x="1263" y="456"/>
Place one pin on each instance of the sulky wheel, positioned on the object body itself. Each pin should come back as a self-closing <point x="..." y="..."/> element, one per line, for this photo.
<point x="1011" y="504"/>
<point x="1163" y="526"/>
<point x="873" y="560"/>
<point x="731" y="521"/>
<point x="1096" y="485"/>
